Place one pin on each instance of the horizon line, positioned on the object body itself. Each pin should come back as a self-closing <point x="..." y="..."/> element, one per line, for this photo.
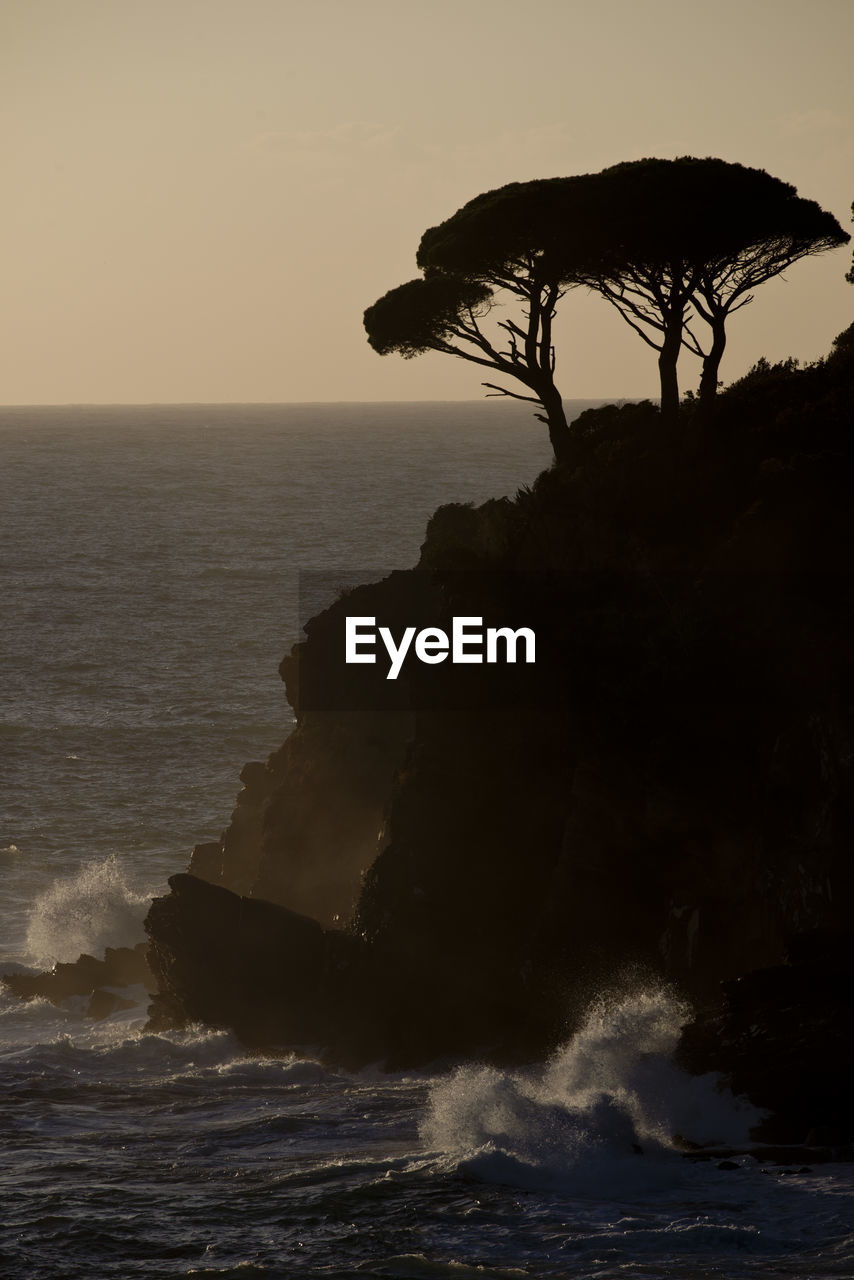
<point x="239" y="404"/>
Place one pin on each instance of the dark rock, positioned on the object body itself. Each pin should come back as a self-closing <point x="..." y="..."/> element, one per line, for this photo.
<point x="824" y="1136"/>
<point x="120" y="967"/>
<point x="685" y="1144"/>
<point x="784" y="1038"/>
<point x="777" y="1154"/>
<point x="273" y="976"/>
<point x="104" y="1003"/>
<point x="206" y="862"/>
<point x="664" y="797"/>
<point x="305" y="826"/>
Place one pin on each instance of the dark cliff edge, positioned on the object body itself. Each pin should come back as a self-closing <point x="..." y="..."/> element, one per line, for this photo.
<point x="453" y="863"/>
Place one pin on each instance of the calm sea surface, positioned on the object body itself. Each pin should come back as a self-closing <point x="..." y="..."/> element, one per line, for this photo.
<point x="149" y="560"/>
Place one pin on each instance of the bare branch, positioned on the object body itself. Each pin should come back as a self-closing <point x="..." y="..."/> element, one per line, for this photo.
<point x="514" y="395"/>
<point x="512" y="327"/>
<point x="703" y="312"/>
<point x="503" y="366"/>
<point x="638" y="330"/>
<point x="743" y="303"/>
<point x="692" y="343"/>
<point x="620" y="295"/>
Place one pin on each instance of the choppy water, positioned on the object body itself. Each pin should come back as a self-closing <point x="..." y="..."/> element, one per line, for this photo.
<point x="149" y="560"/>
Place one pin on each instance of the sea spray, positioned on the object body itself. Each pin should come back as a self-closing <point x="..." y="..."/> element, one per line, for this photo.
<point x="93" y="910"/>
<point x="608" y="1097"/>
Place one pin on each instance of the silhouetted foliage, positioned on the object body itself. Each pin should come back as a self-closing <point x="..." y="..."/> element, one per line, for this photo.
<point x="507" y="241"/>
<point x="842" y="350"/>
<point x="424" y="315"/>
<point x="691" y="239"/>
<point x="667" y="242"/>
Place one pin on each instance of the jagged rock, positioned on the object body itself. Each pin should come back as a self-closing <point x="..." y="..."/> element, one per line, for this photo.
<point x="206" y="862"/>
<point x="784" y="1038"/>
<point x="233" y="861"/>
<point x="120" y="967"/>
<point x="665" y="796"/>
<point x="104" y="1003"/>
<point x="319" y="802"/>
<point x="273" y="976"/>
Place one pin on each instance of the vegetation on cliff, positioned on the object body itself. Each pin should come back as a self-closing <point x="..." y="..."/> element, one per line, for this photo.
<point x="673" y="245"/>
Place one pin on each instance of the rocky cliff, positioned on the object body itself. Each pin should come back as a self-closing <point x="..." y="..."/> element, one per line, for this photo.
<point x="454" y="862"/>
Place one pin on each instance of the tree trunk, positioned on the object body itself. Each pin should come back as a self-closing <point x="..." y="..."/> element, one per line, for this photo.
<point x="555" y="418"/>
<point x="712" y="363"/>
<point x="668" y="356"/>
<point x="673" y="315"/>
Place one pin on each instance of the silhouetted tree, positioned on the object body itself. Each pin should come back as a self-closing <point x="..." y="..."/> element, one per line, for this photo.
<point x="850" y="276"/>
<point x="693" y="238"/>
<point x="665" y="241"/>
<point x="493" y="245"/>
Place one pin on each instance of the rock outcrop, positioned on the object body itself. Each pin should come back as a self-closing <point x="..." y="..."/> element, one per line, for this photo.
<point x="88" y="977"/>
<point x="306" y="823"/>
<point x="784" y="1037"/>
<point x="274" y="977"/>
<point x="665" y="794"/>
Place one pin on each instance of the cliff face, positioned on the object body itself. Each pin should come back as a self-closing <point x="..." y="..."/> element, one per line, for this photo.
<point x="666" y="793"/>
<point x="306" y="823"/>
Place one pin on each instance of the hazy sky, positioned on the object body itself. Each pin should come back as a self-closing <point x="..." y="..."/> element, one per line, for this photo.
<point x="202" y="196"/>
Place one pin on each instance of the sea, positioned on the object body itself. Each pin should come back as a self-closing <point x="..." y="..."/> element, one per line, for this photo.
<point x="150" y="560"/>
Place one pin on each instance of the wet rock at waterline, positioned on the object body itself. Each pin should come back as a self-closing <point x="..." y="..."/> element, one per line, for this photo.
<point x="121" y="967"/>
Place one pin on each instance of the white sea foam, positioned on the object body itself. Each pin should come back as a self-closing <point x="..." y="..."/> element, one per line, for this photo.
<point x="608" y="1096"/>
<point x="93" y="910"/>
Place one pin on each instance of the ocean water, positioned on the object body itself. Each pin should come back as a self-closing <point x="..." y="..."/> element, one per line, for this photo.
<point x="149" y="560"/>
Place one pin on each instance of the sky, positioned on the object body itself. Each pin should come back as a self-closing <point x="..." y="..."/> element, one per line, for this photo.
<point x="203" y="196"/>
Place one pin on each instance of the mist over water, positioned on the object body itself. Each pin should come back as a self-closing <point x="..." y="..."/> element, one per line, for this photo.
<point x="82" y="915"/>
<point x="602" y="1111"/>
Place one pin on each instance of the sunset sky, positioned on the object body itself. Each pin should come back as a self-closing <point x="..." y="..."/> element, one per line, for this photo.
<point x="202" y="196"/>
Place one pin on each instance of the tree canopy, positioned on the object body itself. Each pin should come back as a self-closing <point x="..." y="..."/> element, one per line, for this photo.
<point x="674" y="245"/>
<point x="425" y="315"/>
<point x="690" y="239"/>
<point x="474" y="255"/>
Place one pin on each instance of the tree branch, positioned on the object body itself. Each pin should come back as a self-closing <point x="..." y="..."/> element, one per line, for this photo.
<point x="638" y="330"/>
<point x="694" y="345"/>
<point x="514" y="395"/>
